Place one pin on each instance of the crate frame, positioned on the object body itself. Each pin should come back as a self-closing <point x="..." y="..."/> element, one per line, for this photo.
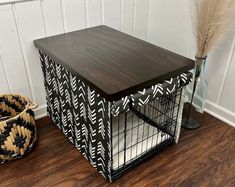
<point x="91" y="133"/>
<point x="177" y="106"/>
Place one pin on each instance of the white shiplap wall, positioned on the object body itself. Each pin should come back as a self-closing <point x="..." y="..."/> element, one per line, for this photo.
<point x="166" y="23"/>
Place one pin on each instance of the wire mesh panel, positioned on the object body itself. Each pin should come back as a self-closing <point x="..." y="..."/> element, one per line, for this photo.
<point x="143" y="129"/>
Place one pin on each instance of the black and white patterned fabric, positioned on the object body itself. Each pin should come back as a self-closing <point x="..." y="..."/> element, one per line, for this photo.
<point x="146" y="95"/>
<point x="81" y="114"/>
<point x="85" y="117"/>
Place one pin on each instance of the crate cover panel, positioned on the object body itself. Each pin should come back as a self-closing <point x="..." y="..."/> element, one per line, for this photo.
<point x="84" y="116"/>
<point x="70" y="102"/>
<point x="149" y="94"/>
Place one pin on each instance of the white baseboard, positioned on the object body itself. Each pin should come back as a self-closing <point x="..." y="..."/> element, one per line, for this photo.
<point x="220" y="113"/>
<point x="41" y="111"/>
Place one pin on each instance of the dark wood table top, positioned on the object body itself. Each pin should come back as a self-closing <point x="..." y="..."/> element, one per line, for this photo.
<point x="111" y="62"/>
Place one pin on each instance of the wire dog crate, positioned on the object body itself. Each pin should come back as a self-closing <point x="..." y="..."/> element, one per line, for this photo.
<point x="143" y="130"/>
<point x="115" y="109"/>
<point x="113" y="136"/>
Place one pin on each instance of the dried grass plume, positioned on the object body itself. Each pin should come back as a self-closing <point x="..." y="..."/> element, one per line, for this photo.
<point x="212" y="19"/>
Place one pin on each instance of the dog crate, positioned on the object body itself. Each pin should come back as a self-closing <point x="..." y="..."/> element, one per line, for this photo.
<point x="113" y="128"/>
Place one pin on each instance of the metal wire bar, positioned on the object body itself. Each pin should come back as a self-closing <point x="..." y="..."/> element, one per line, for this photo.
<point x="143" y="129"/>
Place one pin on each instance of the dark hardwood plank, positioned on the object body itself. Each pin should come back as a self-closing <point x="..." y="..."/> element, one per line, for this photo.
<point x="203" y="157"/>
<point x="114" y="63"/>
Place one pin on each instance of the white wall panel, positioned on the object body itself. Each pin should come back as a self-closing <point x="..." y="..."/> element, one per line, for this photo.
<point x="11" y="53"/>
<point x="4" y="83"/>
<point x="52" y="14"/>
<point x="141" y="19"/>
<point x="112" y="13"/>
<point x="171" y="17"/>
<point x="216" y="66"/>
<point x="128" y="16"/>
<point x="31" y="27"/>
<point x="228" y="94"/>
<point x="74" y="14"/>
<point x="94" y="12"/>
<point x="155" y="21"/>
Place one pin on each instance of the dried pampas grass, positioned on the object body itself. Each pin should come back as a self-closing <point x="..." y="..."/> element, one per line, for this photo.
<point x="212" y="19"/>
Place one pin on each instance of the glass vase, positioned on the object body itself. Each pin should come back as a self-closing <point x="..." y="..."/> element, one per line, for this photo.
<point x="195" y="96"/>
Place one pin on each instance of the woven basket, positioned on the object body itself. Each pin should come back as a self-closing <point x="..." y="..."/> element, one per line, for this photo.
<point x="17" y="126"/>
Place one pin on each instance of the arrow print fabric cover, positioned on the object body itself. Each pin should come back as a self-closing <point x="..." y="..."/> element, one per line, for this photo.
<point x="85" y="117"/>
<point x="143" y="97"/>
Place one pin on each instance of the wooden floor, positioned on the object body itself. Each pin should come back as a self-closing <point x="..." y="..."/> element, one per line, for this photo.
<point x="203" y="157"/>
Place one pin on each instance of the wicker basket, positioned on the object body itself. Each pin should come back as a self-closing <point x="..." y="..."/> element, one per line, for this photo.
<point x="17" y="126"/>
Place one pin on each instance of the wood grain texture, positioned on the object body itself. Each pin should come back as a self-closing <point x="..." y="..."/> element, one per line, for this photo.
<point x="203" y="157"/>
<point x="114" y="63"/>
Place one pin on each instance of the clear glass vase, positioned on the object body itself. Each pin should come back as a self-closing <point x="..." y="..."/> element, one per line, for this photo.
<point x="195" y="96"/>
